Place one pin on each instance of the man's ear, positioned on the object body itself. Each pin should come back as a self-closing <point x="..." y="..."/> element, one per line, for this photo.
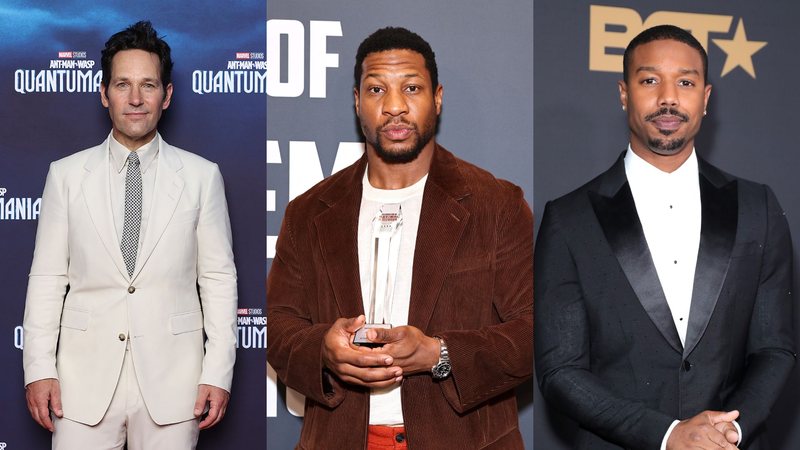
<point x="103" y="95"/>
<point x="355" y="99"/>
<point x="167" y="97"/>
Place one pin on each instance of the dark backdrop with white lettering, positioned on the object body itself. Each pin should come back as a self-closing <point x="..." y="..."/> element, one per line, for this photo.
<point x="49" y="78"/>
<point x="580" y="128"/>
<point x="485" y="62"/>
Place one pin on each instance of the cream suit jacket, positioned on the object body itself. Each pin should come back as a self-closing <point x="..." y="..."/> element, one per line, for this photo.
<point x="178" y="309"/>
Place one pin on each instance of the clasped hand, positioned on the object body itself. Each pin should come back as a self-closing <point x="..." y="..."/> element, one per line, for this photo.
<point x="712" y="430"/>
<point x="406" y="350"/>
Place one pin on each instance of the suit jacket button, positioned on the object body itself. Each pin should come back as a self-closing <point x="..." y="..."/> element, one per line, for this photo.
<point x="131" y="289"/>
<point x="122" y="336"/>
<point x="687" y="366"/>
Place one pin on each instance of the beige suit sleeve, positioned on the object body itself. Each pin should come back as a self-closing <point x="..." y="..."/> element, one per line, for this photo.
<point x="216" y="278"/>
<point x="47" y="282"/>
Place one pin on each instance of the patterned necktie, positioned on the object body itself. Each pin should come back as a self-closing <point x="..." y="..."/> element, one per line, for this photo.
<point x="133" y="212"/>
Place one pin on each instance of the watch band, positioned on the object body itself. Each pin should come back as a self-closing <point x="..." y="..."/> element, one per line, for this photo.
<point x="442" y="368"/>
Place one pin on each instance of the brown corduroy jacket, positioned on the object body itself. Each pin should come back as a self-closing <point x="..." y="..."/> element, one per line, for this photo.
<point x="472" y="285"/>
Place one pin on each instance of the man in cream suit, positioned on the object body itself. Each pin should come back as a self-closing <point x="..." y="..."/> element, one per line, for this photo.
<point x="130" y="317"/>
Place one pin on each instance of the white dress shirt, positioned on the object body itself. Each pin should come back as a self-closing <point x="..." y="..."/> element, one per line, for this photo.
<point x="669" y="209"/>
<point x="118" y="165"/>
<point x="668" y="205"/>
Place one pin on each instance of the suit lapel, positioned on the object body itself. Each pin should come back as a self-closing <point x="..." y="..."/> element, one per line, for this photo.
<point x="167" y="190"/>
<point x="442" y="222"/>
<point x="95" y="190"/>
<point x="616" y="211"/>
<point x="337" y="231"/>
<point x="719" y="199"/>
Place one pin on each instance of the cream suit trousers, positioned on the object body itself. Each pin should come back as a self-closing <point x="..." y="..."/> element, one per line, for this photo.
<point x="126" y="420"/>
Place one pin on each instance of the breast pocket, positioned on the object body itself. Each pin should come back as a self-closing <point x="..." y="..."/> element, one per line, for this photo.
<point x="469" y="264"/>
<point x="746" y="249"/>
<point x="186" y="217"/>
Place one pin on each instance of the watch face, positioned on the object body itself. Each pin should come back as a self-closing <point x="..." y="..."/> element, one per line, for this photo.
<point x="441" y="370"/>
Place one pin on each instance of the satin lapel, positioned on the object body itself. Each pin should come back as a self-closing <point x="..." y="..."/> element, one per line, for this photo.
<point x="616" y="212"/>
<point x="717" y="236"/>
<point x="95" y="188"/>
<point x="167" y="190"/>
<point x="441" y="223"/>
<point x="337" y="231"/>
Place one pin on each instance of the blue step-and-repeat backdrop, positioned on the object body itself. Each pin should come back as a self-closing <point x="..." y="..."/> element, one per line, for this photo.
<point x="49" y="84"/>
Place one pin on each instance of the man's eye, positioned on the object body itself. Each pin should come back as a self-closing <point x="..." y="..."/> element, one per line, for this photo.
<point x="649" y="81"/>
<point x="375" y="90"/>
<point x="686" y="83"/>
<point x="412" y="88"/>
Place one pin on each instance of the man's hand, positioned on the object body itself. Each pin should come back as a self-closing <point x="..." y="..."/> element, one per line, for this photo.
<point x="728" y="429"/>
<point x="217" y="400"/>
<point x="371" y="368"/>
<point x="701" y="432"/>
<point x="42" y="396"/>
<point x="411" y="349"/>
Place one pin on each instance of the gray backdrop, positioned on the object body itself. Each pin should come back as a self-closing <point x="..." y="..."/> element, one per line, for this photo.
<point x="749" y="130"/>
<point x="484" y="54"/>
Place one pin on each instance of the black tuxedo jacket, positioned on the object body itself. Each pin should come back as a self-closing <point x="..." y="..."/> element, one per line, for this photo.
<point x="607" y="350"/>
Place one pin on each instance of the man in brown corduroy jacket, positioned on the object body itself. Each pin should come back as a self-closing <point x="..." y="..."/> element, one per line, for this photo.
<point x="454" y="254"/>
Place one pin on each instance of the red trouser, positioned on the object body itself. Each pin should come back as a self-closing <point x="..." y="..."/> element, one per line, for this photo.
<point x="386" y="438"/>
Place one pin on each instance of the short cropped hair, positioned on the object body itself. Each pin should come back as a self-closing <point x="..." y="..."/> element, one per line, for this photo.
<point x="662" y="32"/>
<point x="139" y="36"/>
<point x="395" y="38"/>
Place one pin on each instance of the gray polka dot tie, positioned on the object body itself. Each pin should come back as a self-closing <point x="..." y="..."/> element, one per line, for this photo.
<point x="133" y="212"/>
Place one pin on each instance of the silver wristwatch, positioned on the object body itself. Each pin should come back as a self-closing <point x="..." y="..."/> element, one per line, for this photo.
<point x="442" y="368"/>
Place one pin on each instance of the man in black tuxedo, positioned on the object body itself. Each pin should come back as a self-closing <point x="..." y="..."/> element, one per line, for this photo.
<point x="662" y="287"/>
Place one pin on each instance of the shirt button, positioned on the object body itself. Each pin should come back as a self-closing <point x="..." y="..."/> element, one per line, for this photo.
<point x="400" y="438"/>
<point x="131" y="289"/>
<point x="122" y="336"/>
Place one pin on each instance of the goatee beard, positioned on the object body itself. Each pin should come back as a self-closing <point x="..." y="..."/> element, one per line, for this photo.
<point x="406" y="155"/>
<point x="665" y="147"/>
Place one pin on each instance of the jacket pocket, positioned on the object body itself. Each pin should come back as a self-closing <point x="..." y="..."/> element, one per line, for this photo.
<point x="77" y="319"/>
<point x="184" y="216"/>
<point x="186" y="322"/>
<point x="470" y="263"/>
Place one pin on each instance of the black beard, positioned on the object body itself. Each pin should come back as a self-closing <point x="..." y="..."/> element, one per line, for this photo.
<point x="665" y="147"/>
<point x="405" y="155"/>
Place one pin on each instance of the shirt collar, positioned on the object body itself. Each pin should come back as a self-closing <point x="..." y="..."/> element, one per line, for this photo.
<point x="391" y="195"/>
<point x="638" y="168"/>
<point x="119" y="153"/>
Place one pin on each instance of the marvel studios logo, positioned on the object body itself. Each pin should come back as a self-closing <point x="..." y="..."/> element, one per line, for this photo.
<point x="71" y="55"/>
<point x="249" y="311"/>
<point x="249" y="55"/>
